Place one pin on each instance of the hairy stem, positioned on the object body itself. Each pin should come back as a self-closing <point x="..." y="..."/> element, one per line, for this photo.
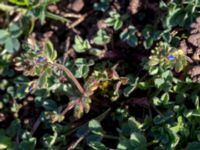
<point x="71" y="77"/>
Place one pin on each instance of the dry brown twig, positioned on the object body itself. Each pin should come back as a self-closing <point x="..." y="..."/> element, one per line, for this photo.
<point x="78" y="21"/>
<point x="67" y="52"/>
<point x="71" y="15"/>
<point x="69" y="107"/>
<point x="75" y="144"/>
<point x="36" y="125"/>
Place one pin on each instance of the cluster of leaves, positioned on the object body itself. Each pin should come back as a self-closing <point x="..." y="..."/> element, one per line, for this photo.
<point x="106" y="103"/>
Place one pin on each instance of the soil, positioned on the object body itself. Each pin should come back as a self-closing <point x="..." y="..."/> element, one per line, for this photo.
<point x="62" y="35"/>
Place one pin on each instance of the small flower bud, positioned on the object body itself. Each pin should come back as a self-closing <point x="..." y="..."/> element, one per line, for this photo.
<point x="30" y="88"/>
<point x="40" y="59"/>
<point x="171" y="57"/>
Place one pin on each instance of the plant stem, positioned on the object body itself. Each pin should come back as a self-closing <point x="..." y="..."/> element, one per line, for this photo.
<point x="9" y="8"/>
<point x="110" y="137"/>
<point x="56" y="17"/>
<point x="156" y="109"/>
<point x="75" y="144"/>
<point x="71" y="77"/>
<point x="152" y="142"/>
<point x="36" y="125"/>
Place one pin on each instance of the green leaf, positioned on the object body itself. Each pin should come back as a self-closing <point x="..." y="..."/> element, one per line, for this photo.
<point x="153" y="61"/>
<point x="144" y="85"/>
<point x="80" y="62"/>
<point x="81" y="45"/>
<point x="4" y="34"/>
<point x="83" y="62"/>
<point x="129" y="36"/>
<point x="49" y="105"/>
<point x="5" y="142"/>
<point x="132" y="84"/>
<point x="13" y="128"/>
<point x="101" y="38"/>
<point x="138" y="141"/>
<point x="15" y="30"/>
<point x="82" y="68"/>
<point x="154" y="69"/>
<point x="28" y="144"/>
<point x="78" y="111"/>
<point x="118" y="24"/>
<point x="50" y="52"/>
<point x="97" y="146"/>
<point x="166" y="36"/>
<point x="167" y="74"/>
<point x="150" y="34"/>
<point x="82" y="71"/>
<point x="148" y="43"/>
<point x="93" y="138"/>
<point x="165" y="98"/>
<point x="133" y="41"/>
<point x="12" y="45"/>
<point x="114" y="20"/>
<point x="103" y="5"/>
<point x="179" y="126"/>
<point x="159" y="82"/>
<point x="96" y="52"/>
<point x="48" y="140"/>
<point x="164" y="118"/>
<point x="181" y="62"/>
<point x="162" y="5"/>
<point x="86" y="44"/>
<point x="78" y="40"/>
<point x="156" y="101"/>
<point x="134" y="125"/>
<point x="124" y="144"/>
<point x="43" y="79"/>
<point x="95" y="127"/>
<point x="110" y="21"/>
<point x="193" y="146"/>
<point x="178" y="18"/>
<point x="19" y="2"/>
<point x="86" y="104"/>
